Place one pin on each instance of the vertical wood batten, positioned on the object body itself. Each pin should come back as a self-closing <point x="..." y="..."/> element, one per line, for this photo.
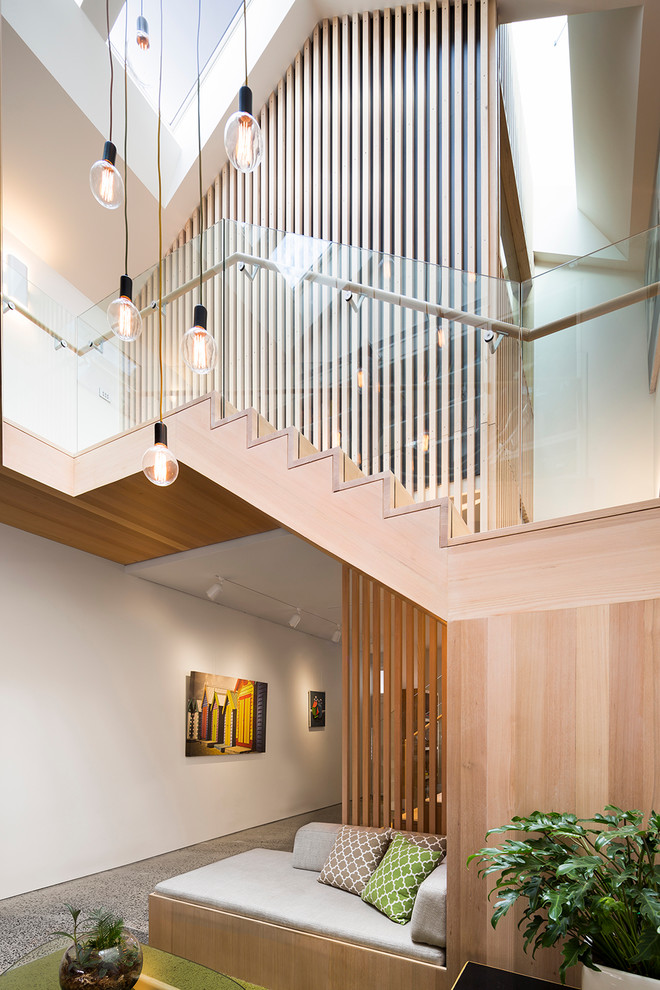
<point x="377" y="114"/>
<point x="387" y="707"/>
<point x="345" y="695"/>
<point x="391" y="742"/>
<point x="354" y="633"/>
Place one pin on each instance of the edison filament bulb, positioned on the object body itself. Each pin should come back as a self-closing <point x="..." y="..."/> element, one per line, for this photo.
<point x="123" y="316"/>
<point x="105" y="181"/>
<point x="142" y="36"/>
<point x="198" y="348"/>
<point x="159" y="463"/>
<point x="244" y="141"/>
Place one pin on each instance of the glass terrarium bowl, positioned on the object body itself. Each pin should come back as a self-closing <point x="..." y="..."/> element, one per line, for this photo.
<point x="116" y="968"/>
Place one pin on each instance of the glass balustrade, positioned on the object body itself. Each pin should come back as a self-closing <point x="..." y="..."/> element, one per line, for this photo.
<point x="594" y="433"/>
<point x="520" y="402"/>
<point x="39" y="363"/>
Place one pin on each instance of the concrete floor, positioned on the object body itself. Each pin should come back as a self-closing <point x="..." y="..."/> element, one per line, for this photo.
<point x="27" y="920"/>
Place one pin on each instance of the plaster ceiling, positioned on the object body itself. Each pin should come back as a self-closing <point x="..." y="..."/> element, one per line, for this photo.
<point x="270" y="575"/>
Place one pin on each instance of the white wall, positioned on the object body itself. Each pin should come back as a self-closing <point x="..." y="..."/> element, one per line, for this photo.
<point x="92" y="717"/>
<point x="594" y="435"/>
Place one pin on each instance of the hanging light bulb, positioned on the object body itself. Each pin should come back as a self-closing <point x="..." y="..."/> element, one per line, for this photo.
<point x="244" y="141"/>
<point x="159" y="463"/>
<point x="142" y="36"/>
<point x="105" y="181"/>
<point x="198" y="348"/>
<point x="123" y="316"/>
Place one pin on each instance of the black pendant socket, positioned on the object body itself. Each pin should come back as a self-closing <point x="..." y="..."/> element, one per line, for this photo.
<point x="200" y="317"/>
<point x="245" y="100"/>
<point x="126" y="287"/>
<point x="160" y="431"/>
<point x="109" y="152"/>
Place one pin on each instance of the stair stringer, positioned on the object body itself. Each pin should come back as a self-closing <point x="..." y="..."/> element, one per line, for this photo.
<point x="355" y="521"/>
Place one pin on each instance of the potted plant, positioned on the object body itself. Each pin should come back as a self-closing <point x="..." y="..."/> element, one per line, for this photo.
<point x="104" y="953"/>
<point x="592" y="885"/>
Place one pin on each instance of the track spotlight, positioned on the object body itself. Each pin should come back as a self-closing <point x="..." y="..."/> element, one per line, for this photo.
<point x="215" y="590"/>
<point x="294" y="621"/>
<point x="336" y="636"/>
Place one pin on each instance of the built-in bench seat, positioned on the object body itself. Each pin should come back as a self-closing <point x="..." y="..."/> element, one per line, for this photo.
<point x="263" y="916"/>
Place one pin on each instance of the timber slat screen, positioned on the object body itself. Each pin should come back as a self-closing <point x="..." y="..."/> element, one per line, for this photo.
<point x="392" y="742"/>
<point x="395" y="389"/>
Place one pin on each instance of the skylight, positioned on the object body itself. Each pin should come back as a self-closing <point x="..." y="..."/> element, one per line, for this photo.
<point x="179" y="50"/>
<point x="541" y="53"/>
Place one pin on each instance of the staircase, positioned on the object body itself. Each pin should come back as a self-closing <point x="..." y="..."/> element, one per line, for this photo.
<point x="371" y="522"/>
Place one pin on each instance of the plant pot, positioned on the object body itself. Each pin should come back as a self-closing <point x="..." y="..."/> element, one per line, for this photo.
<point x="616" y="979"/>
<point x="117" y="968"/>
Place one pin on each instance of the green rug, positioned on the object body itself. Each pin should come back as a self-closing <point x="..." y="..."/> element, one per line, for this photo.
<point x="42" y="974"/>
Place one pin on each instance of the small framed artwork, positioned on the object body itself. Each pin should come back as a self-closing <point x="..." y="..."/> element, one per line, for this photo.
<point x="316" y="709"/>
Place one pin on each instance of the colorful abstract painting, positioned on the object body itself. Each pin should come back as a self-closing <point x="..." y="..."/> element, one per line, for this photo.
<point x="225" y="716"/>
<point x="317" y="709"/>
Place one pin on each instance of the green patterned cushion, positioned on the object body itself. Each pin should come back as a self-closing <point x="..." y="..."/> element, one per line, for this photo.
<point x="393" y="887"/>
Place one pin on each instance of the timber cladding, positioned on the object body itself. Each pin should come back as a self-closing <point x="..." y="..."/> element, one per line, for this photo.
<point x="548" y="710"/>
<point x="393" y="709"/>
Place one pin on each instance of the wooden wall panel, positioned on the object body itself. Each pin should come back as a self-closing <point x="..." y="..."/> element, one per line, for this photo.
<point x="390" y="745"/>
<point x="552" y="710"/>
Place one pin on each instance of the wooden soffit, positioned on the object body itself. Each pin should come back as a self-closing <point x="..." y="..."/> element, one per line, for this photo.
<point x="131" y="520"/>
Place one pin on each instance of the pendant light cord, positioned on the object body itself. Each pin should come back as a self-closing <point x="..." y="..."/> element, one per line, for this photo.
<point x="199" y="152"/>
<point x="125" y="143"/>
<point x="160" y="225"/>
<point x="112" y="71"/>
<point x="245" y="37"/>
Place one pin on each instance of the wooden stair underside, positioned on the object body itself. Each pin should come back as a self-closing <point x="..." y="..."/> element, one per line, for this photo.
<point x="320" y="496"/>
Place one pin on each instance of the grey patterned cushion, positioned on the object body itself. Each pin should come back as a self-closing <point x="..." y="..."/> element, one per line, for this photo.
<point x="435" y="843"/>
<point x="354" y="857"/>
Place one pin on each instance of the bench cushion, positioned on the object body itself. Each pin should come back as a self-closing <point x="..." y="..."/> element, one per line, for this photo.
<point x="313" y="844"/>
<point x="429" y="917"/>
<point x="262" y="884"/>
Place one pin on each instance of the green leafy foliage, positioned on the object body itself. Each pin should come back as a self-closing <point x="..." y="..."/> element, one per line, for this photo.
<point x="591" y="885"/>
<point x="102" y="930"/>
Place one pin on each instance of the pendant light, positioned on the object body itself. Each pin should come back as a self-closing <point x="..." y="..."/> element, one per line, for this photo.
<point x="198" y="348"/>
<point x="159" y="463"/>
<point x="142" y="36"/>
<point x="123" y="316"/>
<point x="244" y="141"/>
<point x="104" y="179"/>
